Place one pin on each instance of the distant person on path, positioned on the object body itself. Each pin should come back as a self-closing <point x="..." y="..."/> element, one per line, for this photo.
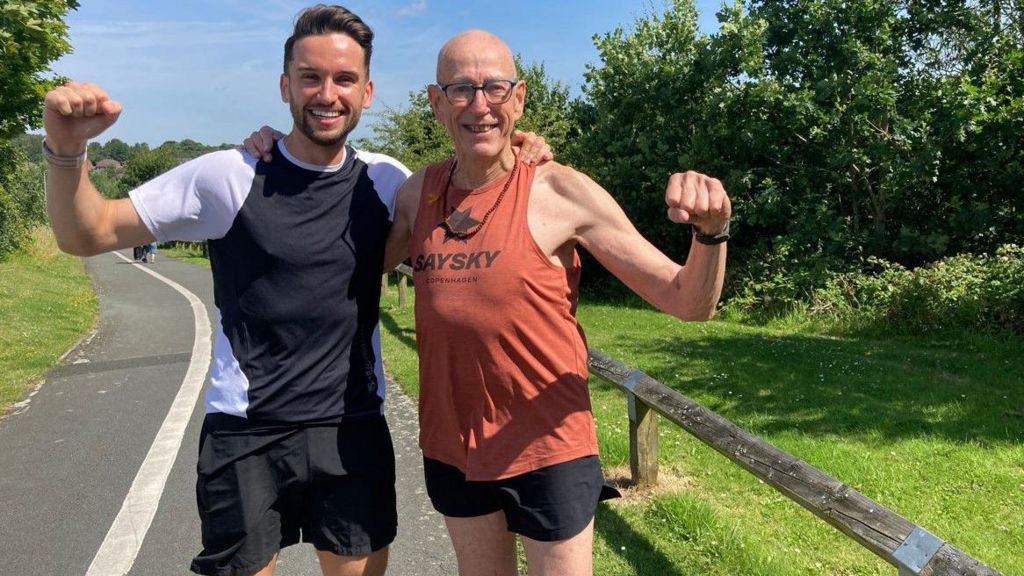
<point x="294" y="443"/>
<point x="149" y="252"/>
<point x="507" y="433"/>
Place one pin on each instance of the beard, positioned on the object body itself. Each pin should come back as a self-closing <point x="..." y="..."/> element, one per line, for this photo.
<point x="325" y="138"/>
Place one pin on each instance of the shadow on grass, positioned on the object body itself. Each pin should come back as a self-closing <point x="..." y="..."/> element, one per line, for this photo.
<point x="406" y="336"/>
<point x="632" y="547"/>
<point x="824" y="386"/>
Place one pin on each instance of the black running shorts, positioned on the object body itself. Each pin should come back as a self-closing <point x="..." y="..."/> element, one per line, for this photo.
<point x="259" y="491"/>
<point x="549" y="504"/>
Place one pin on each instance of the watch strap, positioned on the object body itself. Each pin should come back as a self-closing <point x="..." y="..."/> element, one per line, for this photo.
<point x="711" y="239"/>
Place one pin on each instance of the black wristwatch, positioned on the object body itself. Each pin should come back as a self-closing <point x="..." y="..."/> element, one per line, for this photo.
<point x="711" y="239"/>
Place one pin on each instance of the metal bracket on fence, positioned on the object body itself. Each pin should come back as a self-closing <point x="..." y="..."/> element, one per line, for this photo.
<point x="630" y="384"/>
<point x="916" y="551"/>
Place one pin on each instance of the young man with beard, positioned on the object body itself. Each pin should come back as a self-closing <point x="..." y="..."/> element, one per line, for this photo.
<point x="294" y="443"/>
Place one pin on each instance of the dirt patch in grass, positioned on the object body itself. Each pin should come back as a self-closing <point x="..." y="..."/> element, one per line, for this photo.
<point x="669" y="482"/>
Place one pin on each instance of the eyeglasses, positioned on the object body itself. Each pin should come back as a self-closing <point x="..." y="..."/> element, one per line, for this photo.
<point x="495" y="91"/>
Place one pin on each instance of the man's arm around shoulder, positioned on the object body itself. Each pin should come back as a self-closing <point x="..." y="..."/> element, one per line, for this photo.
<point x="406" y="207"/>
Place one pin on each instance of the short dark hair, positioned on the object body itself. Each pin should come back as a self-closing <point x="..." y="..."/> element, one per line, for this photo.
<point x="329" y="19"/>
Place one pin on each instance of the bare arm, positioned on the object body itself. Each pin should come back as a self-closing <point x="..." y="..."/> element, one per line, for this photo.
<point x="84" y="223"/>
<point x="689" y="292"/>
<point x="406" y="206"/>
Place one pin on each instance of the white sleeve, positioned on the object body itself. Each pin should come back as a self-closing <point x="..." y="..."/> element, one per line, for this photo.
<point x="197" y="200"/>
<point x="387" y="174"/>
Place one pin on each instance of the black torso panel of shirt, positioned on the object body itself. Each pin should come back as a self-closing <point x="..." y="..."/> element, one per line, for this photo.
<point x="297" y="282"/>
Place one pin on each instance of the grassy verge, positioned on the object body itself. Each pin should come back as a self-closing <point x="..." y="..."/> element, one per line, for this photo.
<point x="46" y="305"/>
<point x="398" y="339"/>
<point x="186" y="252"/>
<point x="933" y="428"/>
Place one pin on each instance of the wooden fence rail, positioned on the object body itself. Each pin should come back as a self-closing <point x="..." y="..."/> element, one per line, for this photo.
<point x="903" y="544"/>
<point x="898" y="541"/>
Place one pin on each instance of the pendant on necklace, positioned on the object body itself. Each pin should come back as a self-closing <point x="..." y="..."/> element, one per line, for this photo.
<point x="460" y="224"/>
<point x="461" y="221"/>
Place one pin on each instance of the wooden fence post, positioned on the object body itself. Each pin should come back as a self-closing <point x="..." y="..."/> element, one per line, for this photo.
<point x="384" y="284"/>
<point x="401" y="290"/>
<point x="643" y="442"/>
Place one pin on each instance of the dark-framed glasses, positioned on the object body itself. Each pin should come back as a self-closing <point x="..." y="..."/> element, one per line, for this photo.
<point x="495" y="91"/>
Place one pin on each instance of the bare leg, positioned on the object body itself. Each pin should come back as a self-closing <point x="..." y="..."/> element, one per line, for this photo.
<point x="570" y="557"/>
<point x="268" y="570"/>
<point x="373" y="564"/>
<point x="483" y="545"/>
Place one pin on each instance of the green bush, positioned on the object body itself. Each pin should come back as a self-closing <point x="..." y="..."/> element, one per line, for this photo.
<point x="966" y="292"/>
<point x="22" y="200"/>
<point x="12" y="225"/>
<point x="777" y="280"/>
<point x="28" y="189"/>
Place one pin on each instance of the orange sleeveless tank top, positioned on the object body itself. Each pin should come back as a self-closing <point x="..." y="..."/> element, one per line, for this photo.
<point x="503" y="361"/>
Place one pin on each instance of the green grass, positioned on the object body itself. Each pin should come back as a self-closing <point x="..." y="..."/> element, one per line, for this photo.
<point x="932" y="428"/>
<point x="398" y="339"/>
<point x="189" y="252"/>
<point x="46" y="305"/>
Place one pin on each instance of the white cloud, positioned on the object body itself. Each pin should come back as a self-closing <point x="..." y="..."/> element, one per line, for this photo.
<point x="415" y="9"/>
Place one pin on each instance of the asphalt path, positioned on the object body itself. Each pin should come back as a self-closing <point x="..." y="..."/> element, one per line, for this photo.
<point x="97" y="467"/>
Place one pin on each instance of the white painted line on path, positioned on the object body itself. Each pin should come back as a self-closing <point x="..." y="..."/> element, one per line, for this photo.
<point x="121" y="545"/>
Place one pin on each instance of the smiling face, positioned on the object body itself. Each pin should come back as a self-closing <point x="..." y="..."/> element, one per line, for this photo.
<point x="479" y="130"/>
<point x="327" y="87"/>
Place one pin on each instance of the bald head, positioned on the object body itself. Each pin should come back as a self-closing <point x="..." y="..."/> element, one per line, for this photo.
<point x="471" y="51"/>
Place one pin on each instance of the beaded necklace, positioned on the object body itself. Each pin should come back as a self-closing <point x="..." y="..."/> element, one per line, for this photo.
<point x="462" y="225"/>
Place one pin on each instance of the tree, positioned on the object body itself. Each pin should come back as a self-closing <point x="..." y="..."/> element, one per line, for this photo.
<point x="31" y="145"/>
<point x="32" y="35"/>
<point x="842" y="129"/>
<point x="142" y="165"/>
<point x="411" y="135"/>
<point x="646" y="116"/>
<point x="116" y="149"/>
<point x="548" y="108"/>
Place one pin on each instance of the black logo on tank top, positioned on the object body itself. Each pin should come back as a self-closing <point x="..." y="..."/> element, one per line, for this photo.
<point x="455" y="261"/>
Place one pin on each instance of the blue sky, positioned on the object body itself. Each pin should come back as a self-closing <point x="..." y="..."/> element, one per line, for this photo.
<point x="208" y="70"/>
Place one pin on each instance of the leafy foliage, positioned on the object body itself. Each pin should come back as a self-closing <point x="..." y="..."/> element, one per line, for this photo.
<point x="411" y="135"/>
<point x="22" y="200"/>
<point x="965" y="292"/>
<point x="143" y="165"/>
<point x="32" y="34"/>
<point x="842" y="129"/>
<point x="115" y="149"/>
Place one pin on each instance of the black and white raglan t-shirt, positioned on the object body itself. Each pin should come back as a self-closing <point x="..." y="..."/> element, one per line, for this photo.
<point x="297" y="253"/>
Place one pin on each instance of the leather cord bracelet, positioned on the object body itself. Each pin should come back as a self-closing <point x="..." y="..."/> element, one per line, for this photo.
<point x="711" y="239"/>
<point x="54" y="159"/>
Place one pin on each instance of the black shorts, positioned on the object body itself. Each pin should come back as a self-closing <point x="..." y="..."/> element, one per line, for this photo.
<point x="552" y="503"/>
<point x="259" y="491"/>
